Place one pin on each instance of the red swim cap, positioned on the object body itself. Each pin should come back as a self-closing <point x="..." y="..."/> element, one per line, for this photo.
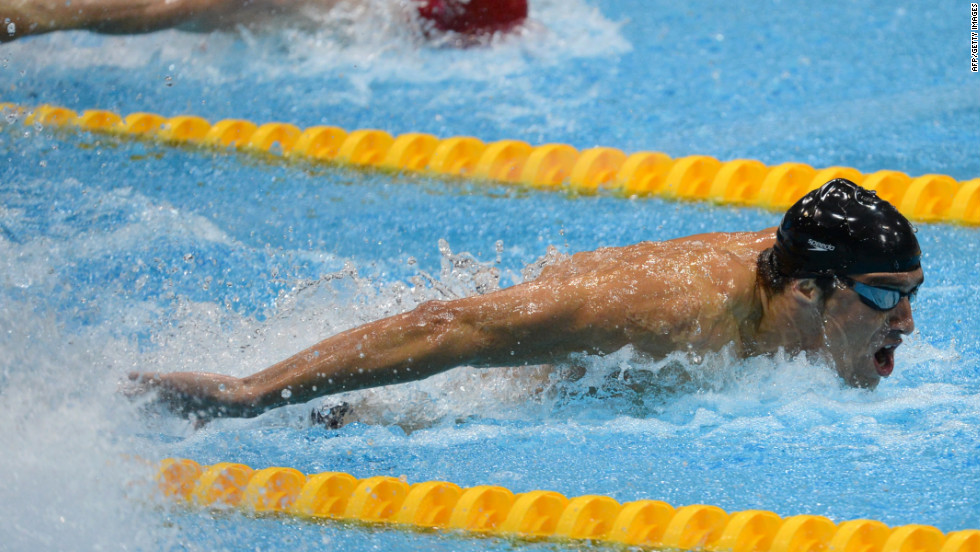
<point x="473" y="17"/>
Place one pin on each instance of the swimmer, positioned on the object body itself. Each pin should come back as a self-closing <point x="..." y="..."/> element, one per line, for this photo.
<point x="835" y="279"/>
<point x="467" y="18"/>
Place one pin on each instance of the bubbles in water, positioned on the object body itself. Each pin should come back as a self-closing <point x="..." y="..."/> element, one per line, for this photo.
<point x="552" y="256"/>
<point x="286" y="393"/>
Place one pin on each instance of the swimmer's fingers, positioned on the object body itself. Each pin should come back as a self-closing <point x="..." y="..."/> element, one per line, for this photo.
<point x="137" y="384"/>
<point x="153" y="388"/>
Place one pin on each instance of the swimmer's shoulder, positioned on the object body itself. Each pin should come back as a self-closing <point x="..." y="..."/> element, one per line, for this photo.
<point x="720" y="246"/>
<point x="741" y="245"/>
<point x="749" y="244"/>
<point x="758" y="239"/>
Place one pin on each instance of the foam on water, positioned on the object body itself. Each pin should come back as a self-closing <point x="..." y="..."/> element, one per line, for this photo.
<point x="71" y="477"/>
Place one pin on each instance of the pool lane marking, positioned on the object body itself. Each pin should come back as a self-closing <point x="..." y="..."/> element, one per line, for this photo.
<point x="496" y="511"/>
<point x="740" y="182"/>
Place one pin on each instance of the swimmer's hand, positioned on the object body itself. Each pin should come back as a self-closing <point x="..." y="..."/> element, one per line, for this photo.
<point x="186" y="394"/>
<point x="136" y="385"/>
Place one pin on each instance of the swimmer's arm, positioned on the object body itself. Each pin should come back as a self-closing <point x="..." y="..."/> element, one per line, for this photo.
<point x="107" y="16"/>
<point x="527" y="324"/>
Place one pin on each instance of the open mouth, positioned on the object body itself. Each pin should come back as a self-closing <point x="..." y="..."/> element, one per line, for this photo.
<point x="884" y="360"/>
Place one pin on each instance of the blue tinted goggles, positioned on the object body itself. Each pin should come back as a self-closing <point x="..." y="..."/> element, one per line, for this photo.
<point x="880" y="298"/>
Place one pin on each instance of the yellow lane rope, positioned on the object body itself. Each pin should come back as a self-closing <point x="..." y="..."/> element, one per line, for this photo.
<point x="492" y="510"/>
<point x="746" y="182"/>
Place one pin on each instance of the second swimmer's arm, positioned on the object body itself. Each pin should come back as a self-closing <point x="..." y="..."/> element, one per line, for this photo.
<point x="28" y="17"/>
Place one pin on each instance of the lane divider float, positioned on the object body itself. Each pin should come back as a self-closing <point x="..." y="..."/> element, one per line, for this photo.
<point x="493" y="510"/>
<point x="743" y="182"/>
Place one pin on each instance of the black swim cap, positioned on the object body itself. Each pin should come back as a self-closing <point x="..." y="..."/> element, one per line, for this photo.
<point x="841" y="228"/>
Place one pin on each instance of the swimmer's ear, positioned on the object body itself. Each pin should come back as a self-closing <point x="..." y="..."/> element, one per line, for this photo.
<point x="807" y="292"/>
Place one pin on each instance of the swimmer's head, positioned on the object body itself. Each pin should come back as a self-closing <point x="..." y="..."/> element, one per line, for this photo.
<point x="473" y="17"/>
<point x="850" y="263"/>
<point x="841" y="228"/>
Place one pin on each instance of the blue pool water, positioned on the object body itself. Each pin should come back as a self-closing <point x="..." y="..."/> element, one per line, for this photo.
<point x="119" y="255"/>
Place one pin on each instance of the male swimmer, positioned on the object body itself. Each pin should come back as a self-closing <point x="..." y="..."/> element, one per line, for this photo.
<point x="835" y="279"/>
<point x="468" y="18"/>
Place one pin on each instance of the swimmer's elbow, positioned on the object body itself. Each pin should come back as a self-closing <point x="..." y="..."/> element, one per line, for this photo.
<point x="453" y="333"/>
<point x="499" y="330"/>
<point x="436" y="334"/>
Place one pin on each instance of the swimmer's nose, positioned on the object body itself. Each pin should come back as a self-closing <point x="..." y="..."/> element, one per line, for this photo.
<point x="900" y="318"/>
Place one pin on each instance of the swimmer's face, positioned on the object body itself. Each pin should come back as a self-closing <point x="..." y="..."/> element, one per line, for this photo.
<point x="861" y="338"/>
